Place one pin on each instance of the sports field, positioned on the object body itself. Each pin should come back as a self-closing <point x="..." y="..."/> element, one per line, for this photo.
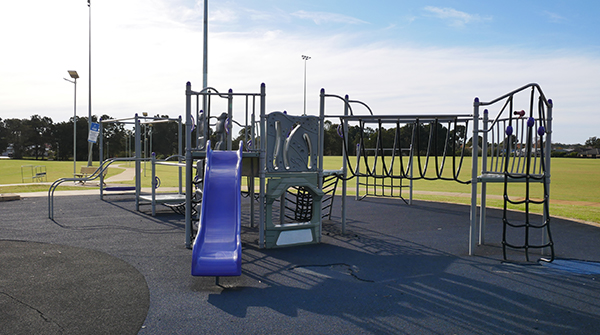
<point x="574" y="190"/>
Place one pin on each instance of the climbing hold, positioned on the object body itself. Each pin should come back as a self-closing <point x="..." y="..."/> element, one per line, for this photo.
<point x="541" y="131"/>
<point x="520" y="113"/>
<point x="340" y="131"/>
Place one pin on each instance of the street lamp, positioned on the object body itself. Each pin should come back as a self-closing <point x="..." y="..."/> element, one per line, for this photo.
<point x="305" y="59"/>
<point x="74" y="75"/>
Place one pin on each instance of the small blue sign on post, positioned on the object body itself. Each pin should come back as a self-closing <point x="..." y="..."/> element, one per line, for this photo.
<point x="94" y="130"/>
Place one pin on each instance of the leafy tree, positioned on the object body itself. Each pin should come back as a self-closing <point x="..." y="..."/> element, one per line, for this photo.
<point x="38" y="132"/>
<point x="113" y="137"/>
<point x="3" y="136"/>
<point x="593" y="142"/>
<point x="165" y="140"/>
<point x="14" y="129"/>
<point x="63" y="140"/>
<point x="332" y="144"/>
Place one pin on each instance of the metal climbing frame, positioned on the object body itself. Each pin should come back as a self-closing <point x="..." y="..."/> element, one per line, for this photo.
<point x="382" y="187"/>
<point x="516" y="159"/>
<point x="198" y="116"/>
<point x="427" y="158"/>
<point x="515" y="148"/>
<point x="138" y="122"/>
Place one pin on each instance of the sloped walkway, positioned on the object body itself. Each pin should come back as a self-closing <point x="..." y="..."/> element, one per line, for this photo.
<point x="128" y="174"/>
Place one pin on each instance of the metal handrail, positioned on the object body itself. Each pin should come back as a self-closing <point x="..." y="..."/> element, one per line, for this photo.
<point x="98" y="173"/>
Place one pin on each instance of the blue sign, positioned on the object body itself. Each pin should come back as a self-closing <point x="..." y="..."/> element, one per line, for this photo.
<point x="94" y="130"/>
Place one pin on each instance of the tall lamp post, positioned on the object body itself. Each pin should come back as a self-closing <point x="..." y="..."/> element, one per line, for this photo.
<point x="74" y="75"/>
<point x="305" y="59"/>
<point x="90" y="84"/>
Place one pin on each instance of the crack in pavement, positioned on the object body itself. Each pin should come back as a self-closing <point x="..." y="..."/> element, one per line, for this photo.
<point x="41" y="314"/>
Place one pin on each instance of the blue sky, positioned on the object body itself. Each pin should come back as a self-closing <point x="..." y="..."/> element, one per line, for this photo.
<point x="400" y="57"/>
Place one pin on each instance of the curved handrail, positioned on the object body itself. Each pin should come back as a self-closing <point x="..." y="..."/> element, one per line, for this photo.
<point x="509" y="95"/>
<point x="99" y="172"/>
<point x="348" y="103"/>
<point x="517" y="91"/>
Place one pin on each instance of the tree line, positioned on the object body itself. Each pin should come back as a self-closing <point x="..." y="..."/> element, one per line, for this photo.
<point x="40" y="138"/>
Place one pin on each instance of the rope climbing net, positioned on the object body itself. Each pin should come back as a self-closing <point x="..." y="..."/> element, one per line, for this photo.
<point x="412" y="148"/>
<point x="517" y="147"/>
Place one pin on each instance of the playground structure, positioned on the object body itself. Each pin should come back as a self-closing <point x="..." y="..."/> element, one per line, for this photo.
<point x="37" y="173"/>
<point x="291" y="158"/>
<point x="517" y="152"/>
<point x="285" y="154"/>
<point x="512" y="150"/>
<point x="140" y="156"/>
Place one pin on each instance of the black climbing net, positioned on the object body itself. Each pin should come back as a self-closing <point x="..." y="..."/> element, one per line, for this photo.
<point x="429" y="143"/>
<point x="535" y="130"/>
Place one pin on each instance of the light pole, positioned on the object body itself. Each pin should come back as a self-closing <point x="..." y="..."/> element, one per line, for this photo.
<point x="204" y="73"/>
<point x="90" y="84"/>
<point x="74" y="75"/>
<point x="305" y="59"/>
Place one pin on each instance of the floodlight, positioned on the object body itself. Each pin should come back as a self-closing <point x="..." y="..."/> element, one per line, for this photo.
<point x="73" y="74"/>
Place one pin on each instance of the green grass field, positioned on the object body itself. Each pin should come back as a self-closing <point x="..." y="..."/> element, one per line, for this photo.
<point x="574" y="191"/>
<point x="12" y="174"/>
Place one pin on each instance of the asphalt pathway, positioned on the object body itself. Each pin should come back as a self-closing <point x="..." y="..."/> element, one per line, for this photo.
<point x="398" y="269"/>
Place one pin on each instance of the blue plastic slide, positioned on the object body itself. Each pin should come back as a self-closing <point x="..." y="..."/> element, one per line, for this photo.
<point x="218" y="249"/>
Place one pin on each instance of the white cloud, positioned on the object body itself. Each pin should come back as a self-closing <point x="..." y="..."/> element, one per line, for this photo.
<point x="223" y="15"/>
<point x="455" y="17"/>
<point x="553" y="17"/>
<point x="321" y="17"/>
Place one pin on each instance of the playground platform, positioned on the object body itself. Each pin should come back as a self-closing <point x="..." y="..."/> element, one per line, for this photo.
<point x="102" y="268"/>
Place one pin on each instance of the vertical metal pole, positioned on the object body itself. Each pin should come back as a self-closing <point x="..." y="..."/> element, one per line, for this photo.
<point x="153" y="184"/>
<point x="229" y="124"/>
<point x="127" y="145"/>
<point x="101" y="158"/>
<point x="344" y="164"/>
<point x="305" y="58"/>
<point x="145" y="145"/>
<point x="483" y="183"/>
<point x="410" y="161"/>
<point x="304" y="87"/>
<point x="357" y="170"/>
<point x="151" y="126"/>
<point x="204" y="80"/>
<point x="138" y="156"/>
<point x="188" y="165"/>
<point x="205" y="48"/>
<point x="179" y="150"/>
<point x="100" y="143"/>
<point x="474" y="155"/>
<point x="75" y="130"/>
<point x="547" y="174"/>
<point x="90" y="145"/>
<point x="262" y="167"/>
<point x="321" y="147"/>
<point x="253" y="173"/>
